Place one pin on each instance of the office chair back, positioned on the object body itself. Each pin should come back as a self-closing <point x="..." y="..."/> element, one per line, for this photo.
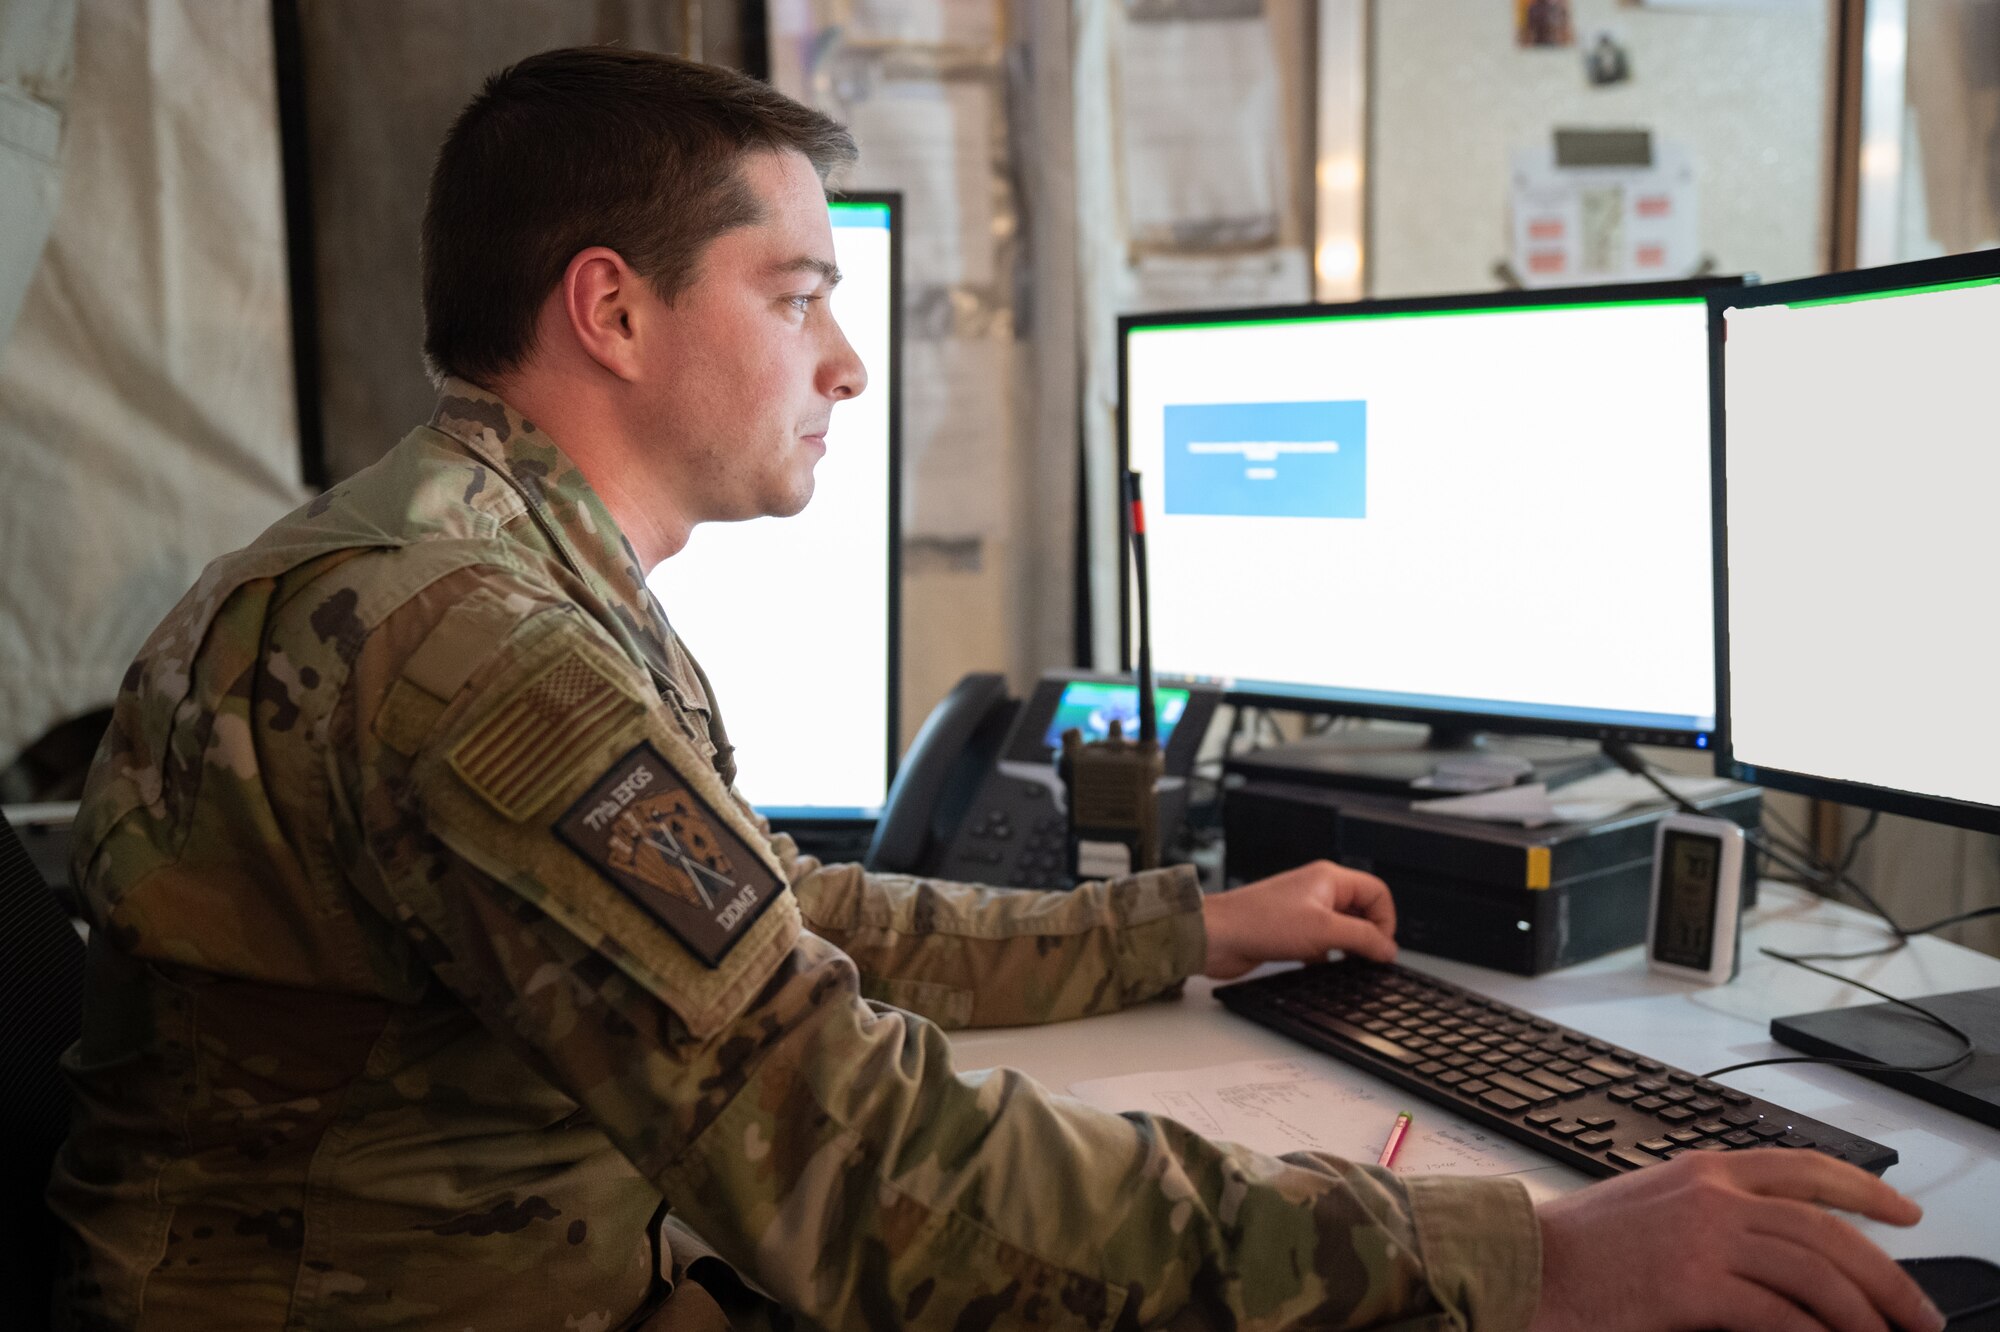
<point x="41" y="1003"/>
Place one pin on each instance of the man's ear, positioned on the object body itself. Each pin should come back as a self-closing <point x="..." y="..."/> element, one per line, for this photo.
<point x="600" y="296"/>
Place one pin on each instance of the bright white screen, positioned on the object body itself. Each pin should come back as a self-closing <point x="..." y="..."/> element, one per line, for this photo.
<point x="790" y="616"/>
<point x="1503" y="512"/>
<point x="1863" y="465"/>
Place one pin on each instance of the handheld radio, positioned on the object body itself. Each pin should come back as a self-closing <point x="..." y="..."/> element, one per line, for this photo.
<point x="1112" y="784"/>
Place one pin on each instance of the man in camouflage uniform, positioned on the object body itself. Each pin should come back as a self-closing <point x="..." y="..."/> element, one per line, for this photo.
<point x="436" y="957"/>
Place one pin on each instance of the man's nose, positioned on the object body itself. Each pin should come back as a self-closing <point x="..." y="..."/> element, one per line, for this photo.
<point x="842" y="375"/>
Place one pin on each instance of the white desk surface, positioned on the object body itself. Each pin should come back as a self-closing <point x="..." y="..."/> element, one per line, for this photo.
<point x="1949" y="1164"/>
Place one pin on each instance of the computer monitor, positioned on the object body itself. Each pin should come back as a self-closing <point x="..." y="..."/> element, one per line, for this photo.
<point x="1480" y="512"/>
<point x="1857" y="460"/>
<point x="795" y="620"/>
<point x="1858" y="468"/>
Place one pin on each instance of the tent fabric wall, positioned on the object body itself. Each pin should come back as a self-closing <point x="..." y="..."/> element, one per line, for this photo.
<point x="36" y="41"/>
<point x="147" y="420"/>
<point x="383" y="81"/>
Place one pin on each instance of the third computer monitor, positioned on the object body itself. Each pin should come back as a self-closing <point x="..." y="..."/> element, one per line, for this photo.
<point x="1486" y="511"/>
<point x="1862" y="444"/>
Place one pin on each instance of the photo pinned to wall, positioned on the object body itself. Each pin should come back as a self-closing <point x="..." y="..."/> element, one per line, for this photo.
<point x="1606" y="61"/>
<point x="1544" y="23"/>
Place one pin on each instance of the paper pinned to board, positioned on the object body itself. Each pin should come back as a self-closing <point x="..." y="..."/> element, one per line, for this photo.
<point x="1201" y="134"/>
<point x="1282" y="1105"/>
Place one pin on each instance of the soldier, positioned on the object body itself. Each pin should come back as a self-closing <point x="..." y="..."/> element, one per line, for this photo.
<point x="436" y="958"/>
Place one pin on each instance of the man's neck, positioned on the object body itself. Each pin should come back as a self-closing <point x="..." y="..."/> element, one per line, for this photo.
<point x="586" y="425"/>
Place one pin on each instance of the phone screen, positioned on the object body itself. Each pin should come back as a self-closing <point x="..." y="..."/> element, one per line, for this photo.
<point x="1091" y="706"/>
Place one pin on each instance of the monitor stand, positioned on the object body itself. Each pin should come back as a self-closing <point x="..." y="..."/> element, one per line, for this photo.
<point x="1390" y="761"/>
<point x="1895" y="1035"/>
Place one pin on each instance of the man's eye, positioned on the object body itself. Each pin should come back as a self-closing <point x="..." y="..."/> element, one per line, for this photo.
<point x="801" y="303"/>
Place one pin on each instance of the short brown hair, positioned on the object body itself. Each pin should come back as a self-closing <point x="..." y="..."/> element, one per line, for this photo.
<point x="591" y="146"/>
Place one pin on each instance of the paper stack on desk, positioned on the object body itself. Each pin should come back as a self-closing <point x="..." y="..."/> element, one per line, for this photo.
<point x="1283" y="1105"/>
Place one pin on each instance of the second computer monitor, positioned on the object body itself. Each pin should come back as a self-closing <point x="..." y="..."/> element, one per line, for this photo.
<point x="1489" y="511"/>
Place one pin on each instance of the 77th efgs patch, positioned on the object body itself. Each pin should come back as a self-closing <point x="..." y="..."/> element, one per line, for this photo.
<point x="656" y="841"/>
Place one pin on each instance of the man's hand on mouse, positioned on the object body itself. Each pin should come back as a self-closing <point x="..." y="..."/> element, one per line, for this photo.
<point x="1736" y="1241"/>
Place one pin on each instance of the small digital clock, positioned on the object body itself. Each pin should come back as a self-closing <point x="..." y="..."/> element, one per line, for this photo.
<point x="1693" y="921"/>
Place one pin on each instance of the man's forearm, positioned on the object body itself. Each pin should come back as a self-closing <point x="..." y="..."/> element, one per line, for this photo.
<point x="964" y="955"/>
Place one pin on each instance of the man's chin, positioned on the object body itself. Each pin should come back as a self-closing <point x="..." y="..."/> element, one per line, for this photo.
<point x="793" y="504"/>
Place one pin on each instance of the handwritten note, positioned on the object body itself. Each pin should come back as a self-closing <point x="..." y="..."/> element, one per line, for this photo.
<point x="1282" y="1105"/>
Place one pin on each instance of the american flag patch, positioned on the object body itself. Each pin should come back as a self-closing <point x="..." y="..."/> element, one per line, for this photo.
<point x="520" y="755"/>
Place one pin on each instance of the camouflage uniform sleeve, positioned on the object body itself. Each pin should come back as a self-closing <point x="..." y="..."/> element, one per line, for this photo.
<point x="824" y="1145"/>
<point x="964" y="955"/>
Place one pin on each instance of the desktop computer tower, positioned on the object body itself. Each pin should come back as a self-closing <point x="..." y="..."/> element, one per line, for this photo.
<point x="1523" y="900"/>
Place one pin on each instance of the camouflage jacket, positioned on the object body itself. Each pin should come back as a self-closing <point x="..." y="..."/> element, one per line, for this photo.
<point x="434" y="954"/>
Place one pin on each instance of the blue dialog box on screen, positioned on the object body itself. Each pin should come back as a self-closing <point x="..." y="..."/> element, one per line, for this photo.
<point x="1268" y="459"/>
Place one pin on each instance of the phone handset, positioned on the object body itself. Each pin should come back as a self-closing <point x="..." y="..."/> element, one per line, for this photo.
<point x="918" y="814"/>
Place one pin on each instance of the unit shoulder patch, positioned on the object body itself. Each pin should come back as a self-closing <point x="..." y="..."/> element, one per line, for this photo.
<point x="655" y="840"/>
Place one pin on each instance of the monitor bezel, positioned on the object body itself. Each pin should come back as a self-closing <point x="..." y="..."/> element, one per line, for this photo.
<point x="803" y="818"/>
<point x="1978" y="265"/>
<point x="1469" y="718"/>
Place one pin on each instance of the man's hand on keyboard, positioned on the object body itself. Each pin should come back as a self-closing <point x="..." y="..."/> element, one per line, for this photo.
<point x="1298" y="916"/>
<point x="1740" y="1242"/>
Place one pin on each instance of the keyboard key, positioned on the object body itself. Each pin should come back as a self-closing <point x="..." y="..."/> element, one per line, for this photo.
<point x="1544" y="1118"/>
<point x="1677" y="1097"/>
<point x="1589" y="1079"/>
<point x="1740" y="1138"/>
<point x="1685" y="1137"/>
<point x="1714" y="1128"/>
<point x="1593" y="1140"/>
<point x="1657" y="1146"/>
<point x="1681" y="1079"/>
<point x="1451" y="1078"/>
<point x="1703" y="1105"/>
<point x="1430" y="1069"/>
<point x="1562" y="1066"/>
<point x="1734" y="1097"/>
<point x="1610" y="1068"/>
<point x="1368" y="1040"/>
<point x="1649" y="1104"/>
<point x="1597" y="1121"/>
<point x="1478" y="1069"/>
<point x="1523" y="1088"/>
<point x="1652" y="1085"/>
<point x="1569" y="1128"/>
<point x="1474" y="1087"/>
<point x="1630" y="1159"/>
<point x="1555" y="1082"/>
<point x="1623" y="1094"/>
<point x="1676" y="1114"/>
<point x="1738" y="1118"/>
<point x="1651" y="1065"/>
<point x="1707" y="1088"/>
<point x="1769" y="1131"/>
<point x="1520" y="1066"/>
<point x="1795" y="1140"/>
<point x="1501" y="1100"/>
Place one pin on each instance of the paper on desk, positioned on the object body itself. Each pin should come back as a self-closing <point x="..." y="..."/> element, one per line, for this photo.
<point x="1281" y="1105"/>
<point x="1599" y="796"/>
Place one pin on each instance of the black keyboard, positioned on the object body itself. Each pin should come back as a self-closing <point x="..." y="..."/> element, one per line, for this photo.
<point x="1585" y="1102"/>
